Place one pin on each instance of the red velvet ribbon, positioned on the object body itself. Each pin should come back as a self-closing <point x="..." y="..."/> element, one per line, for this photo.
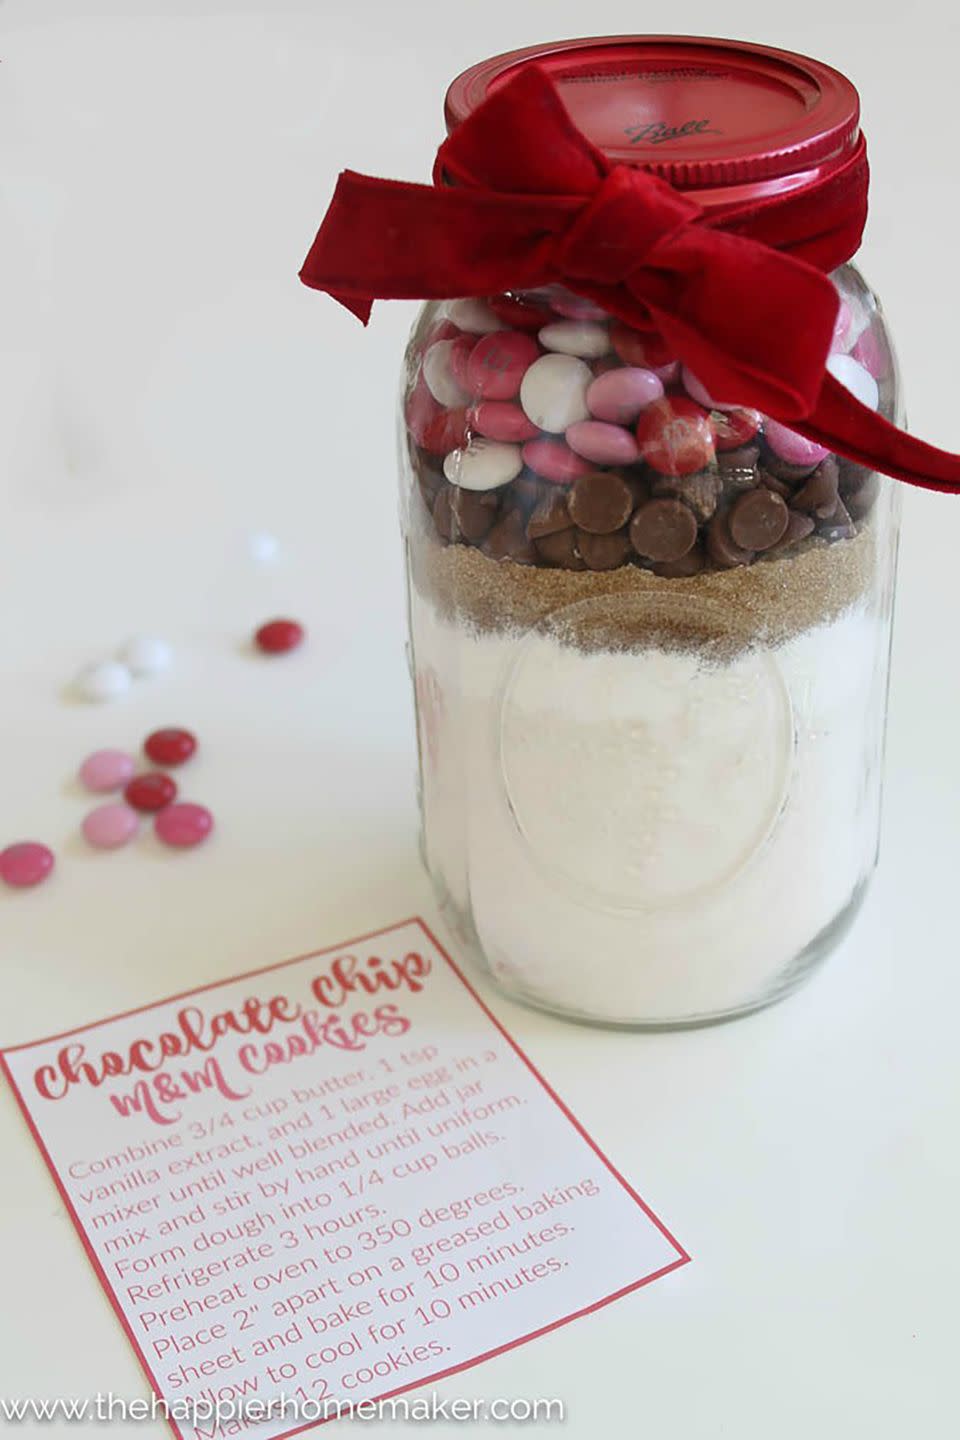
<point x="522" y="199"/>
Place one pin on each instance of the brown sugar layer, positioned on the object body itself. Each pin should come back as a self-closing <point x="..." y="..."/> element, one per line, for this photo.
<point x="630" y="607"/>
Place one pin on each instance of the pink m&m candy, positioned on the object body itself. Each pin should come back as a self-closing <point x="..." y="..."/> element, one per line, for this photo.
<point x="497" y="364"/>
<point x="619" y="395"/>
<point x="602" y="443"/>
<point x="699" y="392"/>
<point x="841" y="329"/>
<point x="106" y="770"/>
<point x="790" y="446"/>
<point x="457" y="357"/>
<point x="183" y="825"/>
<point x="110" y="826"/>
<point x="25" y="864"/>
<point x="554" y="460"/>
<point x="872" y="353"/>
<point x="576" y="307"/>
<point x="502" y="420"/>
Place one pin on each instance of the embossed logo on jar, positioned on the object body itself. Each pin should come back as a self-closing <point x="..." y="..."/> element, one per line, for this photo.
<point x="646" y="775"/>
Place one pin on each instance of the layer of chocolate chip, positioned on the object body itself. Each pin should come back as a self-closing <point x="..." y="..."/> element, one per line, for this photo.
<point x="560" y="549"/>
<point x="640" y="481"/>
<point x="443" y="516"/>
<point x="508" y="540"/>
<point x="601" y="502"/>
<point x="551" y="514"/>
<point x="853" y="477"/>
<point x="757" y="519"/>
<point x="475" y="512"/>
<point x="527" y="491"/>
<point x="430" y="480"/>
<point x="700" y="491"/>
<point x="744" y="457"/>
<point x="799" y="526"/>
<point x="690" y="564"/>
<point x="721" y="548"/>
<point x="782" y="468"/>
<point x="862" y="501"/>
<point x="859" y="487"/>
<point x="428" y="494"/>
<point x="837" y="526"/>
<point x="819" y="494"/>
<point x="603" y="552"/>
<point x="887" y="399"/>
<point x="663" y="529"/>
<point x="770" y="482"/>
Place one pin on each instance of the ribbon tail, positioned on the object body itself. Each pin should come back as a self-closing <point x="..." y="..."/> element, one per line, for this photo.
<point x="376" y="234"/>
<point x="850" y="428"/>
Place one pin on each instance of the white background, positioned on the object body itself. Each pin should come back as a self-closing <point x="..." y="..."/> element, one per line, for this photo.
<point x="167" y="386"/>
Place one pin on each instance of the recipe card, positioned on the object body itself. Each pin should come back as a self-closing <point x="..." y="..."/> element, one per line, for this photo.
<point x="327" y="1181"/>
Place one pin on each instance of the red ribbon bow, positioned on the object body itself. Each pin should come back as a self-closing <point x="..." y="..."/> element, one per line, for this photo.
<point x="522" y="199"/>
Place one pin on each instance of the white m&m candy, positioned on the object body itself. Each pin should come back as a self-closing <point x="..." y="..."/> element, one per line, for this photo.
<point x="104" y="681"/>
<point x="438" y="376"/>
<point x="474" y="316"/>
<point x="576" y="337"/>
<point x="554" y="392"/>
<point x="483" y="465"/>
<point x="146" y="655"/>
<point x="856" y="378"/>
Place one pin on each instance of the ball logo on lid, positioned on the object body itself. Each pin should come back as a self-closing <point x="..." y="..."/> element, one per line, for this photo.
<point x="656" y="132"/>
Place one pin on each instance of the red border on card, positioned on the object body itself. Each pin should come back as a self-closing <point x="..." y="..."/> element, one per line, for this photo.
<point x="682" y="1257"/>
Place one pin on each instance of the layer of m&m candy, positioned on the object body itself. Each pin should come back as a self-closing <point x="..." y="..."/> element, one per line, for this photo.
<point x="519" y="394"/>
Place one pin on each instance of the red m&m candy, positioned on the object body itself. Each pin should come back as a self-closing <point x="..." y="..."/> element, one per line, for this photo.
<point x="169" y="746"/>
<point x="733" y="428"/>
<point x="502" y="420"/>
<point x="432" y="427"/>
<point x="276" y="637"/>
<point x="497" y="364"/>
<point x="151" y="791"/>
<point x="675" y="436"/>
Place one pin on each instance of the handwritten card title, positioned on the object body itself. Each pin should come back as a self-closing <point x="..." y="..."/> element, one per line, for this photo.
<point x="161" y="1097"/>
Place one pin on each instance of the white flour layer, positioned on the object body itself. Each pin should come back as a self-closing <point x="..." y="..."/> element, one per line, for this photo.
<point x="646" y="836"/>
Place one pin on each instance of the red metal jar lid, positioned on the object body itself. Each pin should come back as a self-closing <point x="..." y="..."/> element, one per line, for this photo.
<point x="714" y="116"/>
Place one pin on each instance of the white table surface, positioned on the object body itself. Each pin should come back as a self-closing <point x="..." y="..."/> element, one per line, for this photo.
<point x="167" y="387"/>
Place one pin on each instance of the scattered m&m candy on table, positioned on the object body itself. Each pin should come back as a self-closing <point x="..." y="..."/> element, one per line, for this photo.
<point x="106" y="680"/>
<point x="151" y="791"/>
<point x="183" y="825"/>
<point x="25" y="864"/>
<point x="106" y="770"/>
<point x="146" y="655"/>
<point x="110" y="826"/>
<point x="170" y="746"/>
<point x="277" y="637"/>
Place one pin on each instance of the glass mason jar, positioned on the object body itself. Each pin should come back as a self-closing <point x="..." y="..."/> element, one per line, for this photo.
<point x="649" y="639"/>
